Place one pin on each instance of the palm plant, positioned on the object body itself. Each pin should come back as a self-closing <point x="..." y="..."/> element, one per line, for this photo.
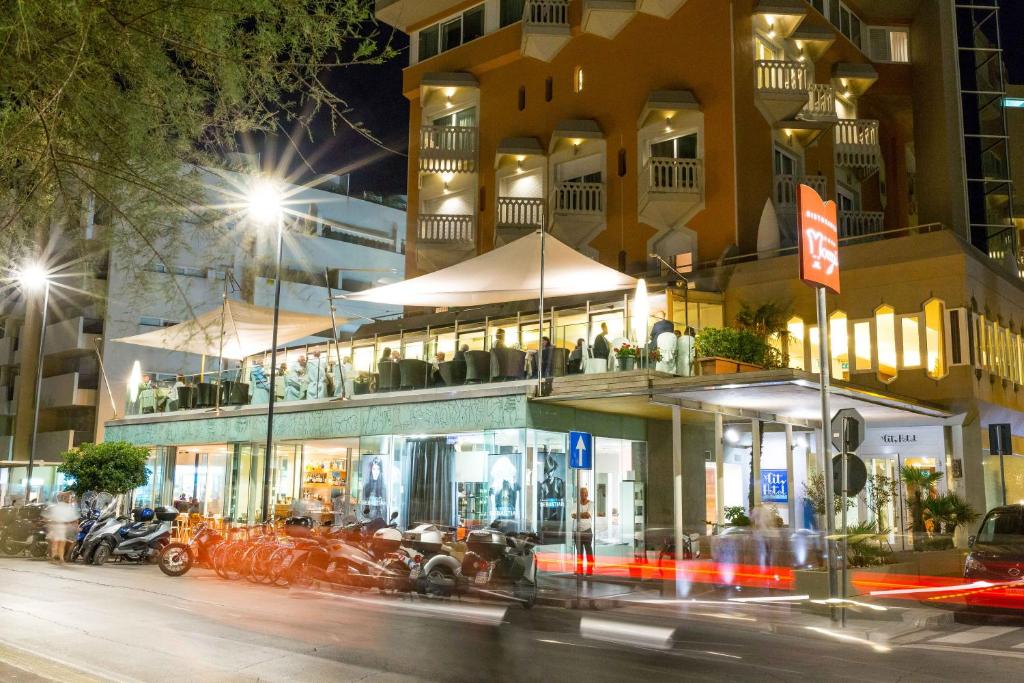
<point x="961" y="513"/>
<point x="920" y="485"/>
<point x="938" y="511"/>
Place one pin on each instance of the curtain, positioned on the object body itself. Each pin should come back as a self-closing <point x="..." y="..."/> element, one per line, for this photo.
<point x="429" y="466"/>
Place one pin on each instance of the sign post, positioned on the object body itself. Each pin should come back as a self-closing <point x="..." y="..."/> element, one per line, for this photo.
<point x="818" y="243"/>
<point x="581" y="457"/>
<point x="847" y="431"/>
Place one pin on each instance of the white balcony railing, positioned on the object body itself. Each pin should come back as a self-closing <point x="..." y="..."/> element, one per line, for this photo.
<point x="674" y="175"/>
<point x="520" y="212"/>
<point x="821" y="104"/>
<point x="437" y="227"/>
<point x="857" y="144"/>
<point x="860" y="223"/>
<point x="448" y="149"/>
<point x="786" y="188"/>
<point x="781" y="77"/>
<point x="546" y="13"/>
<point x="573" y="198"/>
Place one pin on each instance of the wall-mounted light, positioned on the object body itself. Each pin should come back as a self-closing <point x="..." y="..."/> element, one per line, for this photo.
<point x="519" y="164"/>
<point x="668" y="124"/>
<point x="771" y="31"/>
<point x="449" y="103"/>
<point x="732" y="436"/>
<point x="445" y="179"/>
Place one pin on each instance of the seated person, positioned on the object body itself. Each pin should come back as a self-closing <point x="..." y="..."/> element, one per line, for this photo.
<point x="576" y="358"/>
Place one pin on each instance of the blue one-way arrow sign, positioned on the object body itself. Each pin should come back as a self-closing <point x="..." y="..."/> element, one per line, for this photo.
<point x="581" y="451"/>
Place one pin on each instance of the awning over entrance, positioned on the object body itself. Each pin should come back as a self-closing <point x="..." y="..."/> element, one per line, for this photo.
<point x="247" y="330"/>
<point x="508" y="273"/>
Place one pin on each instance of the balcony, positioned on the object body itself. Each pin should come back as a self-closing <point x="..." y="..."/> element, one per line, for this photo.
<point x="448" y="149"/>
<point x="446" y="228"/>
<point x="860" y="223"/>
<point x="578" y="213"/>
<point x="545" y="28"/>
<point x="857" y="145"/>
<point x="785" y="198"/>
<point x="659" y="8"/>
<point x="606" y="18"/>
<point x="781" y="89"/>
<point x="67" y="391"/>
<point x="671" y="190"/>
<point x="49" y="445"/>
<point x="518" y="216"/>
<point x="72" y="337"/>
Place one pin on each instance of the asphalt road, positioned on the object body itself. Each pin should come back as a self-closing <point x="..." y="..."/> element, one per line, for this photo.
<point x="133" y="623"/>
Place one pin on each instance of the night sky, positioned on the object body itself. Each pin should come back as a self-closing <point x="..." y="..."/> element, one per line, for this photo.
<point x="375" y="95"/>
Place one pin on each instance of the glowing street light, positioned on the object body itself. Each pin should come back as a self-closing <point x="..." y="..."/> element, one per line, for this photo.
<point x="33" y="277"/>
<point x="264" y="202"/>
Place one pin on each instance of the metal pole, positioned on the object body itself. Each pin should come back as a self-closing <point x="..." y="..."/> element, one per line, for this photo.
<point x="578" y="564"/>
<point x="677" y="479"/>
<point x="540" y="342"/>
<point x="825" y="447"/>
<point x="39" y="389"/>
<point x="267" y="469"/>
<point x="845" y="491"/>
<point x="334" y="327"/>
<point x="220" y="352"/>
<point x="106" y="380"/>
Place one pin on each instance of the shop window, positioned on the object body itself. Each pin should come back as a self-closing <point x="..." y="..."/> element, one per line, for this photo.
<point x="885" y="340"/>
<point x="839" y="342"/>
<point x="577" y="79"/>
<point x="795" y="327"/>
<point x="910" y="331"/>
<point x="935" y="338"/>
<point x="862" y="346"/>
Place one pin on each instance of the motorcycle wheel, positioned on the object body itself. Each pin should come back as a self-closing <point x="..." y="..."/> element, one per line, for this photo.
<point x="102" y="554"/>
<point x="10" y="547"/>
<point x="39" y="549"/>
<point x="436" y="579"/>
<point x="527" y="594"/>
<point x="395" y="577"/>
<point x="277" y="567"/>
<point x="233" y="563"/>
<point x="75" y="552"/>
<point x="175" y="559"/>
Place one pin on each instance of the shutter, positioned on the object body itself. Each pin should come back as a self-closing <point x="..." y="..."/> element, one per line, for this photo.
<point x="878" y="44"/>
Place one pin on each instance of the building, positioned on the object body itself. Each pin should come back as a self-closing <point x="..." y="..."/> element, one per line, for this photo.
<point x="347" y="242"/>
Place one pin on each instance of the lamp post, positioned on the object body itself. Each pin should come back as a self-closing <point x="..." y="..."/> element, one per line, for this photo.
<point x="34" y="277"/>
<point x="265" y="207"/>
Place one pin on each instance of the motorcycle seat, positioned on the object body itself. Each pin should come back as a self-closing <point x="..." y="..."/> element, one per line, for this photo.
<point x="138" y="533"/>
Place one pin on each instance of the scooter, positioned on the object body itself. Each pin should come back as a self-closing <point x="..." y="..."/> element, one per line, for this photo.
<point x="107" y="522"/>
<point x="176" y="559"/>
<point x="141" y="541"/>
<point x="363" y="561"/>
<point x="25" y="532"/>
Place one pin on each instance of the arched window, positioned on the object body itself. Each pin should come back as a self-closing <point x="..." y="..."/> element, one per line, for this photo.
<point x="935" y="338"/>
<point x="885" y="342"/>
<point x="577" y="79"/>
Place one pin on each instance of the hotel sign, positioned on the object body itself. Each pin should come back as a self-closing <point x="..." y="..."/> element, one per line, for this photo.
<point x="818" y="240"/>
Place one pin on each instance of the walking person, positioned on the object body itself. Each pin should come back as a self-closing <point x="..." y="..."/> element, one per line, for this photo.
<point x="59" y="518"/>
<point x="584" y="534"/>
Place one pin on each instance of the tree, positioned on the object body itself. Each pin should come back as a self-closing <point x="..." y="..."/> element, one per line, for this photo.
<point x="881" y="492"/>
<point x="920" y="484"/>
<point x="115" y="467"/>
<point x="106" y="106"/>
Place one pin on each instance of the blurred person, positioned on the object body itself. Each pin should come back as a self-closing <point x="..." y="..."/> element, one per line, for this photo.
<point x="499" y="338"/>
<point x="259" y="384"/>
<point x="59" y="517"/>
<point x="386" y="355"/>
<point x="348" y="376"/>
<point x="602" y="347"/>
<point x="576" y="358"/>
<point x="316" y="377"/>
<point x="293" y="382"/>
<point x="543" y="358"/>
<point x="460" y="355"/>
<point x="181" y="505"/>
<point x="280" y="382"/>
<point x="396" y="356"/>
<point x="762" y="519"/>
<point x="584" y="534"/>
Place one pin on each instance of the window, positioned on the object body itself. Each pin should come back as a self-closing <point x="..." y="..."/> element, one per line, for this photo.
<point x="451" y="33"/>
<point x="622" y="163"/>
<point x="910" y="330"/>
<point x="464" y="118"/>
<point x="549" y="89"/>
<point x="862" y="346"/>
<point x="577" y="79"/>
<point x="956" y="344"/>
<point x="681" y="147"/>
<point x="766" y="51"/>
<point x="795" y="327"/>
<point x="935" y="339"/>
<point x="840" y="345"/>
<point x="522" y="97"/>
<point x="885" y="331"/>
<point x="886" y="44"/>
<point x="510" y="12"/>
<point x="786" y="163"/>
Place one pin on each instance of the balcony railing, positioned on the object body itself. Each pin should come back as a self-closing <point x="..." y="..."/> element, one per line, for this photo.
<point x="446" y="228"/>
<point x="448" y="149"/>
<point x="520" y="212"/>
<point x="786" y="188"/>
<point x="860" y="223"/>
<point x="821" y="104"/>
<point x="578" y="199"/>
<point x="857" y="144"/>
<point x="781" y="77"/>
<point x="546" y="13"/>
<point x="674" y="175"/>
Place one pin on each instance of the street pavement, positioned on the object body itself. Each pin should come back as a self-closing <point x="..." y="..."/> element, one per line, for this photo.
<point x="132" y="623"/>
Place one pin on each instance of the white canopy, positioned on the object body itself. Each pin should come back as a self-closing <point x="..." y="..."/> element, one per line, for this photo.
<point x="508" y="273"/>
<point x="248" y="330"/>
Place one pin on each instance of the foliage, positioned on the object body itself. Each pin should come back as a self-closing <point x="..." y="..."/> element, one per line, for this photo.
<point x="881" y="491"/>
<point x="948" y="511"/>
<point x="814" y="491"/>
<point x="766" y="321"/>
<point x="920" y="485"/>
<point x="105" y="105"/>
<point x="654" y="355"/>
<point x="867" y="544"/>
<point x="114" y="466"/>
<point x="739" y="345"/>
<point x="962" y="513"/>
<point x="626" y="351"/>
<point x="736" y="515"/>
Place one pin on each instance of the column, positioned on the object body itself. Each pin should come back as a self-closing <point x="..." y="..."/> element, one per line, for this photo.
<point x="677" y="479"/>
<point x="719" y="470"/>
<point x="791" y="479"/>
<point x="755" y="459"/>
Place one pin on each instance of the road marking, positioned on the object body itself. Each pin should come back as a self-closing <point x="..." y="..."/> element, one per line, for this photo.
<point x="975" y="634"/>
<point x="968" y="650"/>
<point x="658" y="637"/>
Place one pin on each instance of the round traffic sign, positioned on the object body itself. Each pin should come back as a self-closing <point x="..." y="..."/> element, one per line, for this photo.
<point x="856" y="475"/>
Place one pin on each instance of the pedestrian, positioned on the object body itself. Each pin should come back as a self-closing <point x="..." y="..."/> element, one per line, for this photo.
<point x="584" y="535"/>
<point x="59" y="516"/>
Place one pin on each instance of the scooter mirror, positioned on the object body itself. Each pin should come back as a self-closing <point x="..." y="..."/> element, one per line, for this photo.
<point x="394" y="515"/>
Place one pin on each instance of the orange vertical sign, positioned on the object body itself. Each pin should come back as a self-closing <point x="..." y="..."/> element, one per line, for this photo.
<point x="819" y="240"/>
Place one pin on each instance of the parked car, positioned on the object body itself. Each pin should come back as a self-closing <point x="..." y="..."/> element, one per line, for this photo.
<point x="997" y="557"/>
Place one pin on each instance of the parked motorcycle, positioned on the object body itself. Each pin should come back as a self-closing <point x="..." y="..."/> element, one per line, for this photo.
<point x="362" y="559"/>
<point x="140" y="541"/>
<point x="176" y="559"/>
<point x="25" y="532"/>
<point x="106" y="522"/>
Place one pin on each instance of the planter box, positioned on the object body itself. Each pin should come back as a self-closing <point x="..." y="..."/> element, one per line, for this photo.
<point x="716" y="365"/>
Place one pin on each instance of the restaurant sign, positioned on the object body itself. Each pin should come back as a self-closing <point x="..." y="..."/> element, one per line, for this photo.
<point x="818" y="240"/>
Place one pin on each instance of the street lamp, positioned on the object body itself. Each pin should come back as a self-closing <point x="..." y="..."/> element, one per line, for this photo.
<point x="34" y="277"/>
<point x="264" y="207"/>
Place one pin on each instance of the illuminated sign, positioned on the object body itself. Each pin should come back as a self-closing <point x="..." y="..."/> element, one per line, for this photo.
<point x="774" y="486"/>
<point x="819" y="240"/>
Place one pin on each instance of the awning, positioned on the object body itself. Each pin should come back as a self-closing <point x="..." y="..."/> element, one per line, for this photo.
<point x="508" y="273"/>
<point x="247" y="329"/>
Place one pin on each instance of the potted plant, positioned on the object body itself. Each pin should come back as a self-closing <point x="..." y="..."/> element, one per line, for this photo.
<point x="735" y="515"/>
<point x="920" y="485"/>
<point x="626" y="356"/>
<point x="723" y="350"/>
<point x="654" y="356"/>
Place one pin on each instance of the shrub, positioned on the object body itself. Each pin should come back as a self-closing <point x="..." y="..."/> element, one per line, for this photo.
<point x="738" y="345"/>
<point x="114" y="466"/>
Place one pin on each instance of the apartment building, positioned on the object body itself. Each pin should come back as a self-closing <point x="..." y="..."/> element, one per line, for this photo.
<point x="332" y="240"/>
